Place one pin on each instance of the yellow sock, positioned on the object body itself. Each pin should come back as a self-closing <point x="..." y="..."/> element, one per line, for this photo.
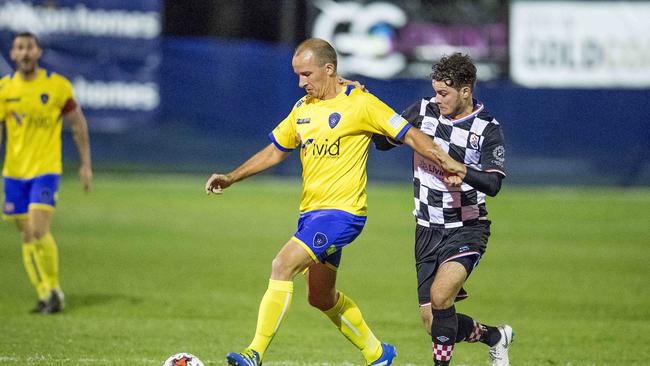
<point x="348" y="319"/>
<point x="33" y="262"/>
<point x="273" y="307"/>
<point x="50" y="255"/>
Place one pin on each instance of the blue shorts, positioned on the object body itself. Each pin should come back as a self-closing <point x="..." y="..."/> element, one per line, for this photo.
<point x="21" y="194"/>
<point x="324" y="233"/>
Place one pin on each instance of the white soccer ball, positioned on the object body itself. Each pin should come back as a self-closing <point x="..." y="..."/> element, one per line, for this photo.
<point x="183" y="359"/>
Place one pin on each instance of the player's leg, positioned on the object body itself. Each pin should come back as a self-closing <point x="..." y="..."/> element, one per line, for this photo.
<point x="275" y="303"/>
<point x="40" y="218"/>
<point x="448" y="281"/>
<point x="42" y="202"/>
<point x="325" y="236"/>
<point x="342" y="310"/>
<point x="15" y="207"/>
<point x="34" y="266"/>
<point x="460" y="254"/>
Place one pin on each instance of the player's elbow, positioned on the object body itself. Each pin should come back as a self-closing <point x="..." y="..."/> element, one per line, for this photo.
<point x="493" y="192"/>
<point x="494" y="189"/>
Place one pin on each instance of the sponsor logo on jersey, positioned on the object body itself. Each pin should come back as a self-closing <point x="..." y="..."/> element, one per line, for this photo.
<point x="334" y="119"/>
<point x="303" y="121"/>
<point x="305" y="144"/>
<point x="327" y="149"/>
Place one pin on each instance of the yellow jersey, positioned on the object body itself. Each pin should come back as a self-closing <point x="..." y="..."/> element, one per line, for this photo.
<point x="33" y="114"/>
<point x="333" y="136"/>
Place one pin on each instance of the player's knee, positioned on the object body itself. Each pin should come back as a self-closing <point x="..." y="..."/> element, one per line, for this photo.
<point x="441" y="301"/>
<point x="282" y="270"/>
<point x="38" y="233"/>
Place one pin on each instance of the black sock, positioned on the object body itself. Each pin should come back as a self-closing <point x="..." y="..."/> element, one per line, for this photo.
<point x="443" y="334"/>
<point x="491" y="337"/>
<point x="468" y="329"/>
<point x="471" y="331"/>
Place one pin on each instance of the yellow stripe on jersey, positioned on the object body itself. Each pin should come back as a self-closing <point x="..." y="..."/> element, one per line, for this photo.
<point x="32" y="111"/>
<point x="333" y="136"/>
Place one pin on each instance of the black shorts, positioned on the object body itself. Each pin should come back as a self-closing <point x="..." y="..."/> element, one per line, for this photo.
<point x="435" y="246"/>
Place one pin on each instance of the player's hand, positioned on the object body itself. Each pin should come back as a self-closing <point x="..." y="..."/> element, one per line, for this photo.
<point x="217" y="183"/>
<point x="343" y="81"/>
<point x="452" y="180"/>
<point x="86" y="177"/>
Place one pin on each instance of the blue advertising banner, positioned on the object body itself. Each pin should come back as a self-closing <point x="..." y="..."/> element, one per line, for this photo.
<point x="108" y="49"/>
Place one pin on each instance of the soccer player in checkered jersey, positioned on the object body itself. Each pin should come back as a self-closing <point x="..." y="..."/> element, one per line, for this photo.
<point x="33" y="104"/>
<point x="452" y="226"/>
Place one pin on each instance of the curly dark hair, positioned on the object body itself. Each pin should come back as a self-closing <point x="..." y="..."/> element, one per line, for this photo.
<point x="456" y="71"/>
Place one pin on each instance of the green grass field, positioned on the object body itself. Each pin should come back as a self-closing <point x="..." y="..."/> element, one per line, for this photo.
<point x="151" y="267"/>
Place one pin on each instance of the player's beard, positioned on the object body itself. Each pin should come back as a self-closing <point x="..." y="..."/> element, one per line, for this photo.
<point x="460" y="109"/>
<point x="27" y="67"/>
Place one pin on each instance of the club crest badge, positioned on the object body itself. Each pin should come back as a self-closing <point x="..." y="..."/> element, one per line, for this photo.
<point x="334" y="119"/>
<point x="44" y="98"/>
<point x="320" y="240"/>
<point x="46" y="195"/>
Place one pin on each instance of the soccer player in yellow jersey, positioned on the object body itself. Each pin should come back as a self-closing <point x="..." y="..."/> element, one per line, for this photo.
<point x="33" y="102"/>
<point x="331" y="127"/>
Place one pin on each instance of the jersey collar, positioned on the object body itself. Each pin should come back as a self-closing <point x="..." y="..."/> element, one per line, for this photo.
<point x="478" y="108"/>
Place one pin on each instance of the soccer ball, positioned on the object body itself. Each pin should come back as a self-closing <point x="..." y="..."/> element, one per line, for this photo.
<point x="183" y="359"/>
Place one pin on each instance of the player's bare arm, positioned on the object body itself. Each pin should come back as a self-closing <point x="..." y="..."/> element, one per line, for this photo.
<point x="79" y="128"/>
<point x="262" y="160"/>
<point x="423" y="144"/>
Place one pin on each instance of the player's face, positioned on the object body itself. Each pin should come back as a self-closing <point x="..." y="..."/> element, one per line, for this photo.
<point x="25" y="53"/>
<point x="312" y="77"/>
<point x="450" y="101"/>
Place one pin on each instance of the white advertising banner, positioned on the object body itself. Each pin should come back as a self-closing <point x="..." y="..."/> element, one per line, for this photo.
<point x="580" y="44"/>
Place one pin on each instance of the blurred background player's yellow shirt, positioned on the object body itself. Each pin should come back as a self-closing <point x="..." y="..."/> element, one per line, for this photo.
<point x="333" y="136"/>
<point x="33" y="114"/>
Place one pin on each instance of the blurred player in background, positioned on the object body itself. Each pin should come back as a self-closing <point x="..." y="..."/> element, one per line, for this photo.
<point x="332" y="127"/>
<point x="33" y="102"/>
<point x="452" y="226"/>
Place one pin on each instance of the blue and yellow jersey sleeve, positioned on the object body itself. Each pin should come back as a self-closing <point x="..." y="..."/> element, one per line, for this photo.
<point x="382" y="119"/>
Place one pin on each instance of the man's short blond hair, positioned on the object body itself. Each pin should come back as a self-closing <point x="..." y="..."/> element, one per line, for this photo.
<point x="322" y="50"/>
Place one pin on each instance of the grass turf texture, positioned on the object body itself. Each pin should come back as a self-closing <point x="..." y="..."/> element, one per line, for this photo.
<point x="151" y="267"/>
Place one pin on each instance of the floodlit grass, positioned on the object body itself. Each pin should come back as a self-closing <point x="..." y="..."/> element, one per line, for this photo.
<point x="151" y="267"/>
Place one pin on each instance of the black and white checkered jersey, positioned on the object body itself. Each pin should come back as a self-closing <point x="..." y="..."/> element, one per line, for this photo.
<point x="475" y="140"/>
